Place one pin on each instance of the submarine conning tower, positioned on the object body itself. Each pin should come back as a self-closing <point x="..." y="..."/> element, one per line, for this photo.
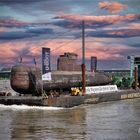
<point x="68" y="62"/>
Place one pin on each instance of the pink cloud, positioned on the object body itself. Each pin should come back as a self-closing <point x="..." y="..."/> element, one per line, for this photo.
<point x="120" y="26"/>
<point x="110" y="19"/>
<point x="10" y="22"/>
<point x="125" y="33"/>
<point x="10" y="52"/>
<point x="113" y="7"/>
<point x="97" y="47"/>
<point x="106" y="52"/>
<point x="3" y="29"/>
<point x="133" y="26"/>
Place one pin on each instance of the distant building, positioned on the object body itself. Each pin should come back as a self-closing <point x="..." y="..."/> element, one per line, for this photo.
<point x="68" y="62"/>
<point x="93" y="63"/>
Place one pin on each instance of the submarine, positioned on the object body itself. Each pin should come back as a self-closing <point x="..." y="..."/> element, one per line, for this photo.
<point x="27" y="80"/>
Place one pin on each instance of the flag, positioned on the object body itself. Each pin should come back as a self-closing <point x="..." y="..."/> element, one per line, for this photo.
<point x="46" y="68"/>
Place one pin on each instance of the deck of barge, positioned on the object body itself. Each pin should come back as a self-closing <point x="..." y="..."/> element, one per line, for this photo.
<point x="67" y="101"/>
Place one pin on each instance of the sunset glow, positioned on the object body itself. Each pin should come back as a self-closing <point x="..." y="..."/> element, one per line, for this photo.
<point x="112" y="30"/>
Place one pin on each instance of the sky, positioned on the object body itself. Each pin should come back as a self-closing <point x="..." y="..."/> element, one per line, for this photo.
<point x="112" y="31"/>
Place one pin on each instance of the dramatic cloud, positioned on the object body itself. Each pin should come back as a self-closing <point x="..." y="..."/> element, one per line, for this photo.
<point x="11" y="22"/>
<point x="15" y="35"/>
<point x="3" y="29"/>
<point x="15" y="49"/>
<point x="113" y="7"/>
<point x="104" y="49"/>
<point x="18" y="1"/>
<point x="126" y="26"/>
<point x="78" y="24"/>
<point x="25" y="34"/>
<point x="94" y="20"/>
<point x="124" y="33"/>
<point x="28" y="25"/>
<point x="134" y="26"/>
<point x="11" y="29"/>
<point x="136" y="45"/>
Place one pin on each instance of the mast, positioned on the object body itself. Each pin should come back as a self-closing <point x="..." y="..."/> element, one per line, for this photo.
<point x="83" y="59"/>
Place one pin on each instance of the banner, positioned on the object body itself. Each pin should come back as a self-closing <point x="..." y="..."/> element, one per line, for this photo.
<point x="101" y="89"/>
<point x="46" y="68"/>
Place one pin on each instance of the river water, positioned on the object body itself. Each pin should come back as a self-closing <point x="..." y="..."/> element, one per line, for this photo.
<point x="105" y="121"/>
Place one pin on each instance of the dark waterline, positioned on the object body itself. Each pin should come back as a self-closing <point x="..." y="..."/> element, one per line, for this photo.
<point x="105" y="121"/>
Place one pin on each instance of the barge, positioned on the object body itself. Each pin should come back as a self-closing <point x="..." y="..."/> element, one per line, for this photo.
<point x="26" y="81"/>
<point x="67" y="101"/>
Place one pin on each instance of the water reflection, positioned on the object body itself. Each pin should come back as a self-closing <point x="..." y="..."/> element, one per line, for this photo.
<point x="62" y="124"/>
<point x="106" y="121"/>
<point x="114" y="121"/>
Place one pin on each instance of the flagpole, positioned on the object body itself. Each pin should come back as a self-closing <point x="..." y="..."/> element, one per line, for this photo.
<point x="36" y="80"/>
<point x="20" y="61"/>
<point x="42" y="72"/>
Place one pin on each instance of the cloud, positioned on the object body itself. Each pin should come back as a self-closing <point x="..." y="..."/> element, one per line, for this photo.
<point x="27" y="33"/>
<point x="3" y="29"/>
<point x="122" y="30"/>
<point x="124" y="33"/>
<point x="11" y="22"/>
<point x="127" y="26"/>
<point x="113" y="7"/>
<point x="78" y="24"/>
<point x="15" y="49"/>
<point x="133" y="26"/>
<point x="18" y="1"/>
<point x="120" y="26"/>
<point x="91" y="21"/>
<point x="11" y="29"/>
<point x="40" y="30"/>
<point x="104" y="49"/>
<point x="15" y="35"/>
<point x="136" y="45"/>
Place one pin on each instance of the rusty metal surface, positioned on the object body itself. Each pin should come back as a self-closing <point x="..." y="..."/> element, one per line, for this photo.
<point x="23" y="78"/>
<point x="67" y="101"/>
<point x="62" y="101"/>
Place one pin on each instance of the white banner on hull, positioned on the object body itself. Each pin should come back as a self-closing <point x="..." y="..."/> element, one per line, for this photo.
<point x="47" y="76"/>
<point x="101" y="89"/>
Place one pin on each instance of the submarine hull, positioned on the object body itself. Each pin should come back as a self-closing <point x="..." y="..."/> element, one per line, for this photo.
<point x="27" y="80"/>
<point x="23" y="79"/>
